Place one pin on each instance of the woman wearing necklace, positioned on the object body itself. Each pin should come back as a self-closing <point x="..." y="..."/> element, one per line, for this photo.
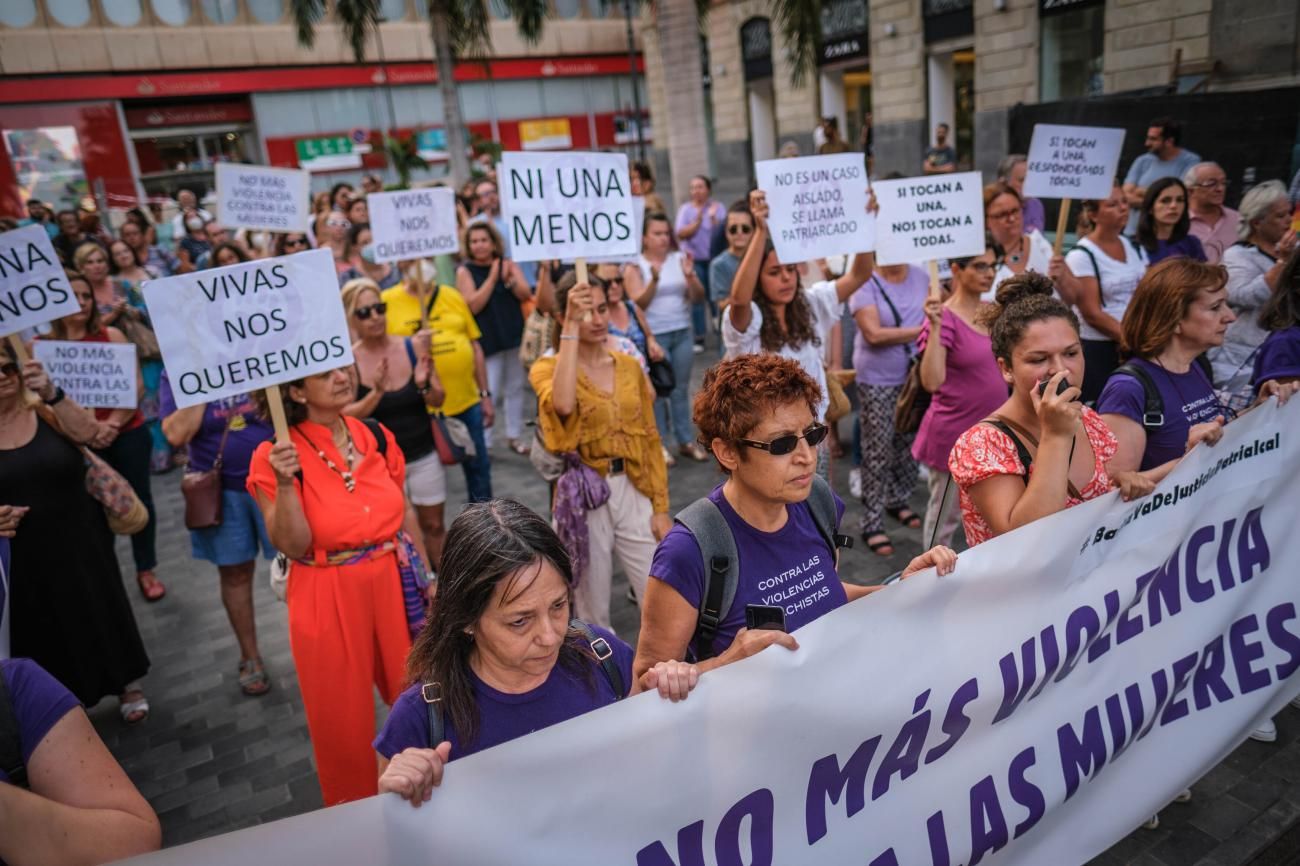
<point x="1022" y="251"/>
<point x="331" y="495"/>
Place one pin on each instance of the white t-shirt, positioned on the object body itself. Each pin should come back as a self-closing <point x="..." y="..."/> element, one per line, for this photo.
<point x="824" y="303"/>
<point x="1040" y="256"/>
<point x="668" y="310"/>
<point x="1118" y="279"/>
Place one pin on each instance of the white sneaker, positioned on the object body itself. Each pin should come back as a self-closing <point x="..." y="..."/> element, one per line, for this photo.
<point x="855" y="488"/>
<point x="1184" y="797"/>
<point x="1265" y="733"/>
<point x="1152" y="823"/>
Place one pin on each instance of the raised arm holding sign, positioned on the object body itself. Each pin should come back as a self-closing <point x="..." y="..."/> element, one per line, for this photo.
<point x="1072" y="162"/>
<point x="33" y="288"/>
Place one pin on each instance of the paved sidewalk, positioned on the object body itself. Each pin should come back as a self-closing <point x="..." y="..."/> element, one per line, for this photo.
<point x="210" y="760"/>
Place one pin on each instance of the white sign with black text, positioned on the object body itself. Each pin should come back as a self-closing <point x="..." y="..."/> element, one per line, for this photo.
<point x="567" y="205"/>
<point x="96" y="375"/>
<point x="1078" y="162"/>
<point x="818" y="206"/>
<point x="933" y="217"/>
<point x="231" y="330"/>
<point x="412" y="223"/>
<point x="33" y="288"/>
<point x="261" y="197"/>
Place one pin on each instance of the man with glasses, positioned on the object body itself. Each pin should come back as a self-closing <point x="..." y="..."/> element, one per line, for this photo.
<point x="722" y="270"/>
<point x="1212" y="223"/>
<point x="757" y="415"/>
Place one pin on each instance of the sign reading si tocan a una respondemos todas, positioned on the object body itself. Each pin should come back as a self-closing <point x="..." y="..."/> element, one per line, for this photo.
<point x="33" y="287"/>
<point x="1078" y="162"/>
<point x="412" y="223"/>
<point x="927" y="218"/>
<point x="232" y="330"/>
<point x="260" y="197"/>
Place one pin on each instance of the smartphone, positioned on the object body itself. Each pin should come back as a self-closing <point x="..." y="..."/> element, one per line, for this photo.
<point x="767" y="616"/>
<point x="1060" y="388"/>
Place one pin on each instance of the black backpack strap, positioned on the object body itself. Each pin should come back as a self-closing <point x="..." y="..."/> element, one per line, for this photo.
<point x="432" y="694"/>
<point x="821" y="502"/>
<point x="1096" y="270"/>
<point x="604" y="654"/>
<point x="11" y="744"/>
<point x="898" y="320"/>
<point x="1022" y="451"/>
<point x="721" y="569"/>
<point x="378" y="432"/>
<point x="1153" y="406"/>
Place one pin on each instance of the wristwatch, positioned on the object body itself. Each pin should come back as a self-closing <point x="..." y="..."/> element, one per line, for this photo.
<point x="483" y="395"/>
<point x="59" y="394"/>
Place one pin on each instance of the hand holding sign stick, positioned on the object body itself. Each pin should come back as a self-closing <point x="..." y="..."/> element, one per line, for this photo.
<point x="580" y="265"/>
<point x="1062" y="223"/>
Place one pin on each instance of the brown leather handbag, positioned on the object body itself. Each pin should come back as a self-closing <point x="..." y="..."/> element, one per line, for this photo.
<point x="202" y="492"/>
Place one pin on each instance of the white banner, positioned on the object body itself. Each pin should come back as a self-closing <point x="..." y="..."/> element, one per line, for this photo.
<point x="1063" y="685"/>
<point x="1078" y="162"/>
<point x="33" y="287"/>
<point x="638" y="224"/>
<point x="96" y="375"/>
<point x="567" y="205"/>
<point x="818" y="206"/>
<point x="230" y="330"/>
<point x="261" y="197"/>
<point x="924" y="218"/>
<point x="413" y="223"/>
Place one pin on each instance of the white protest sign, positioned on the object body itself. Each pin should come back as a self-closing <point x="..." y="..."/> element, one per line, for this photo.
<point x="413" y="223"/>
<point x="1033" y="707"/>
<point x="1078" y="162"/>
<point x="235" y="329"/>
<point x="638" y="222"/>
<point x="567" y="205"/>
<point x="96" y="375"/>
<point x="927" y="218"/>
<point x="818" y="206"/>
<point x="261" y="197"/>
<point x="33" y="287"/>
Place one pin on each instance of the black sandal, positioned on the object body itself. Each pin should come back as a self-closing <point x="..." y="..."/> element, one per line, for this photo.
<point x="906" y="516"/>
<point x="876" y="547"/>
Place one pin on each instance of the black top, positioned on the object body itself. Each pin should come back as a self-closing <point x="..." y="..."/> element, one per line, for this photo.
<point x="404" y="413"/>
<point x="502" y="319"/>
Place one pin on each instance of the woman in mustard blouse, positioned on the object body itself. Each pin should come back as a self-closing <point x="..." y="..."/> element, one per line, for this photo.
<point x="597" y="408"/>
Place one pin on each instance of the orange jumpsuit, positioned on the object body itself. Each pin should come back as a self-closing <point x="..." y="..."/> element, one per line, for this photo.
<point x="347" y="624"/>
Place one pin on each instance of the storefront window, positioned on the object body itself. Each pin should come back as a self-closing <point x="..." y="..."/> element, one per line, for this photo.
<point x="602" y="8"/>
<point x="168" y="162"/>
<point x="221" y="11"/>
<point x="69" y="13"/>
<point x="18" y="13"/>
<point x="173" y="12"/>
<point x="267" y="11"/>
<point x="499" y="9"/>
<point x="123" y="13"/>
<point x="395" y="10"/>
<point x="1071" y="56"/>
<point x="568" y="8"/>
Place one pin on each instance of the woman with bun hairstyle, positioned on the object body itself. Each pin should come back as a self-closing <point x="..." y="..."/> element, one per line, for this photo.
<point x="1041" y="451"/>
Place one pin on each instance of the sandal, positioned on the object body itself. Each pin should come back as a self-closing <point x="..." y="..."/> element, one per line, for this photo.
<point x="150" y="587"/>
<point x="253" y="679"/>
<point x="518" y="447"/>
<point x="136" y="711"/>
<point x="878" y="547"/>
<point x="905" y="516"/>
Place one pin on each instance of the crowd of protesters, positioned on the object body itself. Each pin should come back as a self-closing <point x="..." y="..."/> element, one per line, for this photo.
<point x="1041" y="368"/>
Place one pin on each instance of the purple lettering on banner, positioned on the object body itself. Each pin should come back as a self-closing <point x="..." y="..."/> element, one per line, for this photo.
<point x="1198" y="590"/>
<point x="1245" y="653"/>
<point x="1252" y="547"/>
<point x="904" y="756"/>
<point x="1166" y="587"/>
<point x="828" y="782"/>
<point x="1102" y="644"/>
<point x="1182" y="670"/>
<point x="938" y="834"/>
<point x="1081" y="755"/>
<point x="690" y="848"/>
<point x="760" y="808"/>
<point x="1130" y="625"/>
<point x="887" y="858"/>
<point x="1082" y="627"/>
<point x="1208" y="678"/>
<point x="1160" y="683"/>
<point x="1226" y="578"/>
<point x="955" y="721"/>
<point x="988" y="826"/>
<point x="1119" y="729"/>
<point x="1016" y="686"/>
<point x="1284" y="640"/>
<point x="1025" y="792"/>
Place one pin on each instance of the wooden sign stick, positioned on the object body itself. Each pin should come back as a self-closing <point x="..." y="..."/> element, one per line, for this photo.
<point x="20" y="351"/>
<point x="1062" y="223"/>
<point x="278" y="419"/>
<point x="580" y="265"/>
<point x="936" y="290"/>
<point x="421" y="292"/>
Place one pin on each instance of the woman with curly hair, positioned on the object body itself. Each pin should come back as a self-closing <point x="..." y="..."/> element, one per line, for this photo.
<point x="770" y="311"/>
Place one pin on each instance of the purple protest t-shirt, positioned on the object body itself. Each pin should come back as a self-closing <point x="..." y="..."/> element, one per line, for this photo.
<point x="247" y="430"/>
<point x="793" y="568"/>
<point x="504" y="717"/>
<point x="39" y="701"/>
<point x="887" y="365"/>
<point x="1278" y="357"/>
<point x="698" y="244"/>
<point x="1188" y="399"/>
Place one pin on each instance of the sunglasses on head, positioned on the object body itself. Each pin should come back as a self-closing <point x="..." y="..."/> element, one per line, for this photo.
<point x="739" y="229"/>
<point x="363" y="313"/>
<point x="785" y="444"/>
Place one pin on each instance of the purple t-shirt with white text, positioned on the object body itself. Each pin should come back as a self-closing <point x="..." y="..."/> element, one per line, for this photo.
<point x="887" y="365"/>
<point x="39" y="702"/>
<point x="1188" y="398"/>
<point x="248" y="429"/>
<point x="504" y="717"/>
<point x="1278" y="357"/>
<point x="792" y="568"/>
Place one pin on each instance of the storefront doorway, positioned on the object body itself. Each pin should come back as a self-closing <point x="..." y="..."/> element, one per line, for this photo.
<point x="177" y="146"/>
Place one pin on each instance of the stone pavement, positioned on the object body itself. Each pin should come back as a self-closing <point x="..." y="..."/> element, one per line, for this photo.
<point x="211" y="761"/>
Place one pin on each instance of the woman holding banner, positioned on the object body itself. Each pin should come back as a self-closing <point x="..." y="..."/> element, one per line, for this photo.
<point x="598" y="405"/>
<point x="502" y="656"/>
<point x="396" y="386"/>
<point x="68" y="609"/>
<point x="1021" y="250"/>
<point x="331" y="495"/>
<point x="770" y="310"/>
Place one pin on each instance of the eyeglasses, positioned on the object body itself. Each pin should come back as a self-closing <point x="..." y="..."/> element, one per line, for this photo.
<point x="1212" y="184"/>
<point x="363" y="313"/>
<point x="739" y="229"/>
<point x="785" y="444"/>
<point x="1005" y="214"/>
<point x="612" y="281"/>
<point x="295" y="242"/>
<point x="338" y="224"/>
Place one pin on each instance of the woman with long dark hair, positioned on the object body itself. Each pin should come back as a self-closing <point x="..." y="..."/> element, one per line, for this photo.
<point x="1278" y="358"/>
<point x="1164" y="223"/>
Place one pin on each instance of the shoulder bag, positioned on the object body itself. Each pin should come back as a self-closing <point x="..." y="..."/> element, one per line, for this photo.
<point x="202" y="491"/>
<point x="913" y="399"/>
<point x="125" y="512"/>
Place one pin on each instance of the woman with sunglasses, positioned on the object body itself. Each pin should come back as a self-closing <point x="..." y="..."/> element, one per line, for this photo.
<point x="360" y="240"/>
<point x="596" y="405"/>
<point x="758" y="415"/>
<point x="396" y="385"/>
<point x="336" y="239"/>
<point x="626" y="319"/>
<point x="291" y="242"/>
<point x="770" y="311"/>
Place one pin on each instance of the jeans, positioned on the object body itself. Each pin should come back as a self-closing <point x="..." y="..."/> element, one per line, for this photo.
<point x="680" y="352"/>
<point x="129" y="455"/>
<point x="478" y="469"/>
<point x="506" y="379"/>
<point x="699" y="321"/>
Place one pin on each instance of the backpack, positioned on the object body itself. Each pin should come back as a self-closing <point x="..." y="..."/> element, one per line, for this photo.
<point x="722" y="565"/>
<point x="1153" y="409"/>
<point x="432" y="692"/>
<point x="11" y="746"/>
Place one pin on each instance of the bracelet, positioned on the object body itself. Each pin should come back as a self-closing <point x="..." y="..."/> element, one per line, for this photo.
<point x="59" y="394"/>
<point x="483" y="395"/>
<point x="568" y="336"/>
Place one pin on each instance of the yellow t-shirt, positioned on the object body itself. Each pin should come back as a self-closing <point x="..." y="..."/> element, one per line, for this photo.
<point x="454" y="331"/>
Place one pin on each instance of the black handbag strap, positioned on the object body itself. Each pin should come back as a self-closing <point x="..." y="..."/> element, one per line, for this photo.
<point x="898" y="320"/>
<point x="1014" y="431"/>
<point x="221" y="448"/>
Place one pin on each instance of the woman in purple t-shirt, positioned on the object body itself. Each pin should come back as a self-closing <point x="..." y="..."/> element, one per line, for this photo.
<point x="1164" y="224"/>
<point x="500" y="657"/>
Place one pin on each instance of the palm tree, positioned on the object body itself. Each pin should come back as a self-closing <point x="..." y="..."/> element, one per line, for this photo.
<point x="459" y="29"/>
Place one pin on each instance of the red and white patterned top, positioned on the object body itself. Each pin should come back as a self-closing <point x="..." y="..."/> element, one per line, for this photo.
<point x="984" y="451"/>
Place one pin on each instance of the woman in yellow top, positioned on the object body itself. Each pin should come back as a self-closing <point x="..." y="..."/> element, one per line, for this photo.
<point x="597" y="408"/>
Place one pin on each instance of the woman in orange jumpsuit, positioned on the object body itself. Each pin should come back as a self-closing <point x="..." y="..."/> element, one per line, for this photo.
<point x="333" y="504"/>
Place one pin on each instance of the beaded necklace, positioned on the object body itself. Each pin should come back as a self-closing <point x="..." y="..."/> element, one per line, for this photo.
<point x="346" y="474"/>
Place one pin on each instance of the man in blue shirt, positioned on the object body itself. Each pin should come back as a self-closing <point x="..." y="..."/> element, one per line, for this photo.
<point x="39" y="215"/>
<point x="1164" y="158"/>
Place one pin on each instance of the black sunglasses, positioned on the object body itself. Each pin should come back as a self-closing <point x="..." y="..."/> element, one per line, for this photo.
<point x="363" y="313"/>
<point x="739" y="229"/>
<point x="296" y="242"/>
<point x="785" y="444"/>
<point x="8" y="368"/>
